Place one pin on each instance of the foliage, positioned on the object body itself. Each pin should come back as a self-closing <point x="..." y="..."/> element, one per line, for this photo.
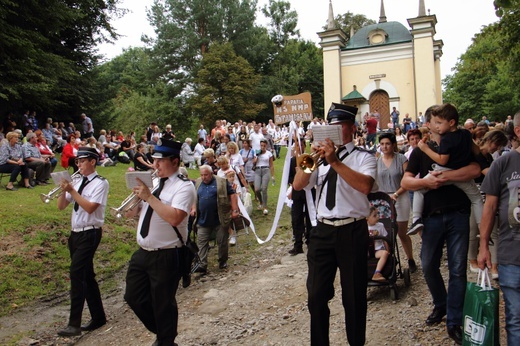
<point x="47" y="49"/>
<point x="283" y="21"/>
<point x="225" y="87"/>
<point x="349" y="21"/>
<point x="509" y="13"/>
<point x="481" y="83"/>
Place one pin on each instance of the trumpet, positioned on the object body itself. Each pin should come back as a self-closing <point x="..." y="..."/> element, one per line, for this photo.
<point x="309" y="162"/>
<point x="57" y="191"/>
<point x="132" y="200"/>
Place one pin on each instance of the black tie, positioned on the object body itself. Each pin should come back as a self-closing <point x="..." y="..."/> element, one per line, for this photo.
<point x="332" y="179"/>
<point x="145" y="226"/>
<point x="84" y="183"/>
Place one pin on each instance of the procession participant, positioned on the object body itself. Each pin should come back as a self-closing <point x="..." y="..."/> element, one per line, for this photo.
<point x="154" y="270"/>
<point x="89" y="197"/>
<point x="340" y="240"/>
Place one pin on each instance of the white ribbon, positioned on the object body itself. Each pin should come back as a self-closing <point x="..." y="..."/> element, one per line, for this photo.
<point x="293" y="128"/>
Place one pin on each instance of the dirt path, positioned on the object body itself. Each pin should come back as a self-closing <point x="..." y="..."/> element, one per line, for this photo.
<point x="261" y="302"/>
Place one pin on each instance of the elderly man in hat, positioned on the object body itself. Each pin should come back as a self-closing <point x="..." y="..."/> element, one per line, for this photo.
<point x="154" y="270"/>
<point x="340" y="240"/>
<point x="89" y="197"/>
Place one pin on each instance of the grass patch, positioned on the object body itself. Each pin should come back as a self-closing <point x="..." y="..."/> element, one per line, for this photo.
<point x="34" y="258"/>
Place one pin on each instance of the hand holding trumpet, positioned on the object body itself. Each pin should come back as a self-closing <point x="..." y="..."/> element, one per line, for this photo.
<point x="142" y="191"/>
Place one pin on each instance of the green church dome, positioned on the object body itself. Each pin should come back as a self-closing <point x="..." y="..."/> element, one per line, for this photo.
<point x="379" y="34"/>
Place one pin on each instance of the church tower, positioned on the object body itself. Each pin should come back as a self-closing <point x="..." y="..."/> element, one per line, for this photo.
<point x="332" y="41"/>
<point x="427" y="53"/>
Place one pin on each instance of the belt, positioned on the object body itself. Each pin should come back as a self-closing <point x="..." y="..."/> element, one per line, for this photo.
<point x="87" y="228"/>
<point x="159" y="249"/>
<point x="340" y="222"/>
<point x="263" y="167"/>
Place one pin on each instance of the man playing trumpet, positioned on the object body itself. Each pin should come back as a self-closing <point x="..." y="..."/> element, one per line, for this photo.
<point x="340" y="240"/>
<point x="154" y="270"/>
<point x="89" y="196"/>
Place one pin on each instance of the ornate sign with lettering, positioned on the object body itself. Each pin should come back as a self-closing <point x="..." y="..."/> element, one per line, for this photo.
<point x="293" y="107"/>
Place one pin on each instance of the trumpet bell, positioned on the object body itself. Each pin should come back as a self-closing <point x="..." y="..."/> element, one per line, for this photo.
<point x="308" y="162"/>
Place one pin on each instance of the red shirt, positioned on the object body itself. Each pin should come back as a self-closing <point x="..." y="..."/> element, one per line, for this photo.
<point x="371" y="126"/>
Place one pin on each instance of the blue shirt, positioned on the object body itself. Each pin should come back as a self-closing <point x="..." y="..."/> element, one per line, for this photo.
<point x="208" y="205"/>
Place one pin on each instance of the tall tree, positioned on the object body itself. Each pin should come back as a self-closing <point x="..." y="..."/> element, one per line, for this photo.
<point x="225" y="87"/>
<point x="187" y="28"/>
<point x="481" y="84"/>
<point x="348" y="21"/>
<point x="282" y="21"/>
<point x="47" y="49"/>
<point x="509" y="13"/>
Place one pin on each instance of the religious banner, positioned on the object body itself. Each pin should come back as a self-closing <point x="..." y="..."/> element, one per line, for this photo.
<point x="292" y="108"/>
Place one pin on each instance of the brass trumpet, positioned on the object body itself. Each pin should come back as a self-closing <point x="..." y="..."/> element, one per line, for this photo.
<point x="309" y="162"/>
<point x="132" y="200"/>
<point x="57" y="191"/>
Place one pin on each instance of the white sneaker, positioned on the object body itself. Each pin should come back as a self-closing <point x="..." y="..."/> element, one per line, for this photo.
<point x="232" y="240"/>
<point x="266" y="211"/>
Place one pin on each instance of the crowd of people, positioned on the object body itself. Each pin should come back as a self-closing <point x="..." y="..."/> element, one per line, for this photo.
<point x="434" y="169"/>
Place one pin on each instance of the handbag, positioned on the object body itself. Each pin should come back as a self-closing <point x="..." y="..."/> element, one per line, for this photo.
<point x="480" y="312"/>
<point x="189" y="261"/>
<point x="239" y="223"/>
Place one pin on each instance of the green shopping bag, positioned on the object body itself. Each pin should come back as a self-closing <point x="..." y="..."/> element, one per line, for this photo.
<point x="481" y="312"/>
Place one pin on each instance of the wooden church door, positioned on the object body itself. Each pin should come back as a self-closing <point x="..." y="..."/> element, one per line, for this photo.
<point x="380" y="101"/>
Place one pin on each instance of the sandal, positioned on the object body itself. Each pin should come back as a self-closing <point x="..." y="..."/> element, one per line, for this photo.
<point x="11" y="189"/>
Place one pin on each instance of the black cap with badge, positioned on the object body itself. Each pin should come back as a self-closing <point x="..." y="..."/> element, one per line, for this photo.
<point x="166" y="148"/>
<point x="87" y="152"/>
<point x="339" y="113"/>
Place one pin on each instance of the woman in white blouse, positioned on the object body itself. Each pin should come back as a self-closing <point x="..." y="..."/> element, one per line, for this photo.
<point x="264" y="171"/>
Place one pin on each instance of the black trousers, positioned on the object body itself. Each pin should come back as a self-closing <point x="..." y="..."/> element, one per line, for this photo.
<point x="345" y="248"/>
<point x="151" y="284"/>
<point x="83" y="284"/>
<point x="300" y="219"/>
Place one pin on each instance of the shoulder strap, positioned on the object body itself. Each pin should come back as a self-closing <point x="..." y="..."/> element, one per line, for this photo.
<point x="179" y="235"/>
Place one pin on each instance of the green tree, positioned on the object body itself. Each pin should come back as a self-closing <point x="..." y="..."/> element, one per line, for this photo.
<point x="348" y="21"/>
<point x="225" y="87"/>
<point x="186" y="29"/>
<point x="481" y="84"/>
<point x="47" y="49"/>
<point x="282" y="21"/>
<point x="509" y="13"/>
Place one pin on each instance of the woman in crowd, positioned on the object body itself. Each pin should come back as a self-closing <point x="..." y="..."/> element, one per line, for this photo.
<point x="242" y="135"/>
<point x="102" y="136"/>
<point x="215" y="142"/>
<point x="11" y="161"/>
<point x="490" y="143"/>
<point x="263" y="172"/>
<point x="236" y="161"/>
<point x="413" y="136"/>
<point x="199" y="151"/>
<point x="187" y="153"/>
<point x="104" y="160"/>
<point x="391" y="166"/>
<point x="141" y="162"/>
<point x="68" y="155"/>
<point x="46" y="151"/>
<point x="362" y="143"/>
<point x="248" y="156"/>
<point x="400" y="138"/>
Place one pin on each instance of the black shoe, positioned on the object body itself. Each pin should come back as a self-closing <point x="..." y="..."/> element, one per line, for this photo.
<point x="436" y="316"/>
<point x="296" y="250"/>
<point x="93" y="325"/>
<point x="416" y="227"/>
<point x="186" y="281"/>
<point x="455" y="333"/>
<point x="223" y="265"/>
<point x="412" y="266"/>
<point x="70" y="331"/>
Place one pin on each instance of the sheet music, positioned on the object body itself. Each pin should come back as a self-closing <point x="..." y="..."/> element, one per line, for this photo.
<point x="57" y="177"/>
<point x="145" y="177"/>
<point x="333" y="132"/>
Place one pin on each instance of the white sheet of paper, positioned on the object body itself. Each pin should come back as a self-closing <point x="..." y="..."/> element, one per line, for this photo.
<point x="57" y="177"/>
<point x="131" y="179"/>
<point x="333" y="132"/>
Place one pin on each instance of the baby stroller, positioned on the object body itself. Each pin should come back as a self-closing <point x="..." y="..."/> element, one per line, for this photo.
<point x="392" y="269"/>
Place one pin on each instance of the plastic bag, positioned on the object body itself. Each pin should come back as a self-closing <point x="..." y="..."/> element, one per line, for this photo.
<point x="481" y="312"/>
<point x="248" y="202"/>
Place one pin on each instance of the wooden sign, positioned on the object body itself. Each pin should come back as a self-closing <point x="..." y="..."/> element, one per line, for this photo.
<point x="294" y="107"/>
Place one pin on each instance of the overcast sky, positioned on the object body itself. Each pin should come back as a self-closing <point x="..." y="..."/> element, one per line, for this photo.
<point x="457" y="21"/>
